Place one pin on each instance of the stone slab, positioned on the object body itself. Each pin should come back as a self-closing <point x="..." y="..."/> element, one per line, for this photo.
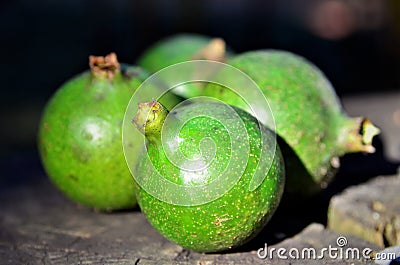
<point x="370" y="211"/>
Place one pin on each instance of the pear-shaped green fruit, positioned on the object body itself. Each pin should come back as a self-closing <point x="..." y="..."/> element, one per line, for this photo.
<point x="80" y="140"/>
<point x="201" y="146"/>
<point x="312" y="126"/>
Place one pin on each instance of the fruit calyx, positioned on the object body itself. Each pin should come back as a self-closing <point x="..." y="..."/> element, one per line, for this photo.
<point x="150" y="118"/>
<point x="360" y="135"/>
<point x="104" y="66"/>
<point x="214" y="51"/>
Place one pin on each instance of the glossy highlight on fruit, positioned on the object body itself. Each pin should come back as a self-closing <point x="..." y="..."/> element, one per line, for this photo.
<point x="313" y="129"/>
<point x="80" y="140"/>
<point x="196" y="154"/>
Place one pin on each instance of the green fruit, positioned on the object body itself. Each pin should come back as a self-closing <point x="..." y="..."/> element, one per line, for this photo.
<point x="80" y="135"/>
<point x="200" y="133"/>
<point x="182" y="48"/>
<point x="313" y="128"/>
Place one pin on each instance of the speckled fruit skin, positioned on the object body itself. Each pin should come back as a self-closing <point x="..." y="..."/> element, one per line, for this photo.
<point x="313" y="129"/>
<point x="233" y="218"/>
<point x="80" y="140"/>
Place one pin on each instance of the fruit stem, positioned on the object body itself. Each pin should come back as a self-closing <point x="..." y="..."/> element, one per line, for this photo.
<point x="358" y="135"/>
<point x="104" y="67"/>
<point x="150" y="118"/>
<point x="214" y="51"/>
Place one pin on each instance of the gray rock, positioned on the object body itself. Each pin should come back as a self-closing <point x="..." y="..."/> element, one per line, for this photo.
<point x="370" y="211"/>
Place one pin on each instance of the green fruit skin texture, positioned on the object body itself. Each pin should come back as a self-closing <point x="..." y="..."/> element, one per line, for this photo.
<point x="80" y="141"/>
<point x="229" y="220"/>
<point x="172" y="50"/>
<point x="308" y="115"/>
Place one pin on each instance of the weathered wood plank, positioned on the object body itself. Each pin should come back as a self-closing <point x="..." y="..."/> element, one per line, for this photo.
<point x="39" y="226"/>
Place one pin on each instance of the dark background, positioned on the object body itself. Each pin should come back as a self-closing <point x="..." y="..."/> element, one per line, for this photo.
<point x="44" y="43"/>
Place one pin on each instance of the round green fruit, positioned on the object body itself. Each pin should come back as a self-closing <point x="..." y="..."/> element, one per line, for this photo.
<point x="80" y="135"/>
<point x="212" y="152"/>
